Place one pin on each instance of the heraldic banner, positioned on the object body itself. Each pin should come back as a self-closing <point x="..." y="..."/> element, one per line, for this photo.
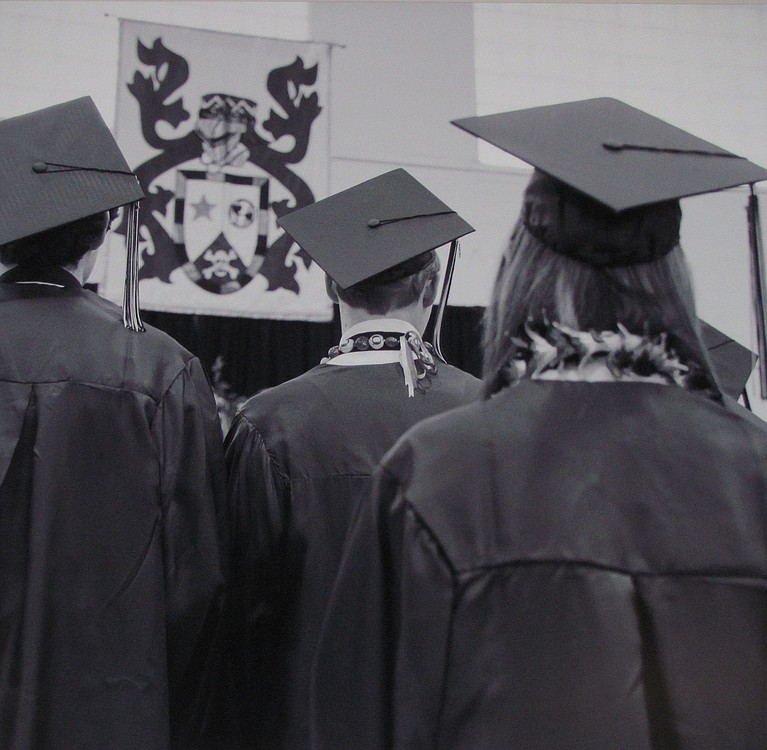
<point x="226" y="133"/>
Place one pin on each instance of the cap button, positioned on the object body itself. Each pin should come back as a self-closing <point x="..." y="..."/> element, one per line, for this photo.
<point x="373" y="222"/>
<point x="39" y="166"/>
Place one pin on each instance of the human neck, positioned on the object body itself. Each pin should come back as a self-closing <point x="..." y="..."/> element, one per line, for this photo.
<point x="80" y="270"/>
<point x="416" y="314"/>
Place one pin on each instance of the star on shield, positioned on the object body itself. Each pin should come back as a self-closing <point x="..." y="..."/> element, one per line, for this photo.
<point x="220" y="227"/>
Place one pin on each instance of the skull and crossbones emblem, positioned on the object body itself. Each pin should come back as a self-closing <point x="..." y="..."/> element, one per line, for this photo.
<point x="220" y="264"/>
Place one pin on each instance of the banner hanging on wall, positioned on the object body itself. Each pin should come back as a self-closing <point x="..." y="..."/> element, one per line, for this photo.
<point x="226" y="133"/>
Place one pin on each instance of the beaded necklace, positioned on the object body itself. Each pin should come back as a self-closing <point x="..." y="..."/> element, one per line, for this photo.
<point x="416" y="357"/>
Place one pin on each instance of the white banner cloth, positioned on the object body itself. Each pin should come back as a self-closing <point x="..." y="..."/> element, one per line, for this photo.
<point x="225" y="132"/>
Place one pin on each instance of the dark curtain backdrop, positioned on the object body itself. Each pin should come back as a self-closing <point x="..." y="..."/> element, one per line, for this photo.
<point x="243" y="356"/>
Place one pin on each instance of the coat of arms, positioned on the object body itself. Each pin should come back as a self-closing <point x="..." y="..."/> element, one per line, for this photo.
<point x="213" y="194"/>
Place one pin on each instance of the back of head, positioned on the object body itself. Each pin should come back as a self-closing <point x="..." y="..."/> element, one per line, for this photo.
<point x="60" y="246"/>
<point x="572" y="262"/>
<point x="64" y="170"/>
<point x="606" y="190"/>
<point x="395" y="288"/>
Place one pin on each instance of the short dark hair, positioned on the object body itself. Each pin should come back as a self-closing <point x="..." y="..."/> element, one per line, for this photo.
<point x="60" y="246"/>
<point x="380" y="297"/>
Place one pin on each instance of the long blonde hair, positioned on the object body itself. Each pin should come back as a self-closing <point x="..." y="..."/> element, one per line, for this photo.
<point x="538" y="285"/>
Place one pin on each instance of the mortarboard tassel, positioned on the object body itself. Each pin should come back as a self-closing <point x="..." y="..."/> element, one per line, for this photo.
<point x="455" y="250"/>
<point x="131" y="311"/>
<point x="757" y="286"/>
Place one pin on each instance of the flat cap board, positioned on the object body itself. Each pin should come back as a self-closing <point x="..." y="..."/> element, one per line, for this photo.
<point x="620" y="156"/>
<point x="371" y="227"/>
<point x="59" y="164"/>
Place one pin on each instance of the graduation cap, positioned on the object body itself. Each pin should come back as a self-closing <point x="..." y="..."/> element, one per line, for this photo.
<point x="375" y="231"/>
<point x="609" y="178"/>
<point x="733" y="363"/>
<point x="60" y="164"/>
<point x="616" y="154"/>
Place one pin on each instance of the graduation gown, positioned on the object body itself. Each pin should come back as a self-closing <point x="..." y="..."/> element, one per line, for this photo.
<point x="110" y="466"/>
<point x="565" y="565"/>
<point x="300" y="458"/>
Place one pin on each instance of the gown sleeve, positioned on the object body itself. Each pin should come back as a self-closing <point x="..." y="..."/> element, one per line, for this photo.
<point x="353" y="667"/>
<point x="378" y="675"/>
<point x="188" y="435"/>
<point x="257" y="519"/>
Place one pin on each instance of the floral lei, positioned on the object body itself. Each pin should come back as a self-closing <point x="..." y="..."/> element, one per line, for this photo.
<point x="625" y="354"/>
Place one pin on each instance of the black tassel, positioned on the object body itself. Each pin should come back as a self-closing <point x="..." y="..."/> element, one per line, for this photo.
<point x="455" y="250"/>
<point x="758" y="286"/>
<point x="131" y="311"/>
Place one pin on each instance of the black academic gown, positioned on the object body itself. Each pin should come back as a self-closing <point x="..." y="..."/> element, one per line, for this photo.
<point x="300" y="458"/>
<point x="566" y="565"/>
<point x="110" y="466"/>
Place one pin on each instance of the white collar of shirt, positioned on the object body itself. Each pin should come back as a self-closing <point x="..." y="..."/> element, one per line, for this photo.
<point x="372" y="356"/>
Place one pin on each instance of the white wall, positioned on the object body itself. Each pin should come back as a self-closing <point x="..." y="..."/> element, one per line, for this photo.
<point x="702" y="67"/>
<point x="55" y="50"/>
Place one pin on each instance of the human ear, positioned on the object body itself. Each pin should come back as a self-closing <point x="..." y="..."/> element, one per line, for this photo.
<point x="430" y="291"/>
<point x="330" y="288"/>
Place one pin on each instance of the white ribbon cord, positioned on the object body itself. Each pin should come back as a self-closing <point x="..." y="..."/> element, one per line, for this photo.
<point x="131" y="310"/>
<point x="407" y="365"/>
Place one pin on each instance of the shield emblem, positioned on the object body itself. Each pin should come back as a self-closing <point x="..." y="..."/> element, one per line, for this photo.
<point x="221" y="225"/>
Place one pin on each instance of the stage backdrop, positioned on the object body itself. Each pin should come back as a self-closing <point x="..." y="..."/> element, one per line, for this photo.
<point x="226" y="133"/>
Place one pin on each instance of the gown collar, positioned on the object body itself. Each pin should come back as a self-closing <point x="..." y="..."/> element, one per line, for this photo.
<point x="47" y="276"/>
<point x="348" y="356"/>
<point x="383" y="341"/>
